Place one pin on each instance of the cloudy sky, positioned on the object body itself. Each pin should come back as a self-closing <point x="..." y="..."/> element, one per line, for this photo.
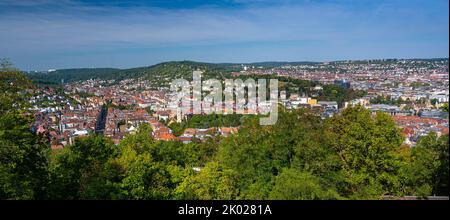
<point x="44" y="34"/>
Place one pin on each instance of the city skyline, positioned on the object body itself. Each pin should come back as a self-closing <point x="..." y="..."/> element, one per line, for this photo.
<point x="50" y="34"/>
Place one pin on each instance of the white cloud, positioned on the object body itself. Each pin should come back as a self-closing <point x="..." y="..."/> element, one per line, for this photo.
<point x="58" y="27"/>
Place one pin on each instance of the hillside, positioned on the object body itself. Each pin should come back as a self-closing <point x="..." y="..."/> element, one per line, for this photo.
<point x="71" y="75"/>
<point x="160" y="73"/>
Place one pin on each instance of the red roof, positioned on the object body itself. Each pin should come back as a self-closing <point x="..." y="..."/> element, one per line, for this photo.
<point x="165" y="136"/>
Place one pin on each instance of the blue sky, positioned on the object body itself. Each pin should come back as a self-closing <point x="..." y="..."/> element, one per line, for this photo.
<point x="44" y="34"/>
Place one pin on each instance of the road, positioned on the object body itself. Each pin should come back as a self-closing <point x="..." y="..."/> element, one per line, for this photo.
<point x="101" y="120"/>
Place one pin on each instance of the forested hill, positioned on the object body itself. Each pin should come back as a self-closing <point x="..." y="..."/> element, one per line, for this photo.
<point x="160" y="72"/>
<point x="70" y="75"/>
<point x="165" y="72"/>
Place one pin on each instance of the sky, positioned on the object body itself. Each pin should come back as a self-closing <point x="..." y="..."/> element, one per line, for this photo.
<point x="55" y="34"/>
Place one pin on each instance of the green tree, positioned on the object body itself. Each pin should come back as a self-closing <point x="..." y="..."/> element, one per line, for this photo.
<point x="434" y="101"/>
<point x="141" y="174"/>
<point x="23" y="159"/>
<point x="292" y="184"/>
<point x="430" y="166"/>
<point x="13" y="87"/>
<point x="367" y="146"/>
<point x="81" y="170"/>
<point x="445" y="107"/>
<point x="212" y="182"/>
<point x="23" y="154"/>
<point x="259" y="153"/>
<point x="177" y="128"/>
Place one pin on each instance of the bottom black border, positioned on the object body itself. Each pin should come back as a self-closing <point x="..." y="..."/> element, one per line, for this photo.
<point x="170" y="209"/>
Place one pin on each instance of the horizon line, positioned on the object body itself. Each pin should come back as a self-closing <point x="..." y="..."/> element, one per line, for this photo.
<point x="239" y="63"/>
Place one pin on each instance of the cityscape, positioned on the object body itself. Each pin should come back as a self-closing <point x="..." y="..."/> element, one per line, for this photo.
<point x="238" y="108"/>
<point x="414" y="92"/>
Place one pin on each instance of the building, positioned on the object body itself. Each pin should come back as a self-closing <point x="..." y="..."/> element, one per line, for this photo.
<point x="342" y="83"/>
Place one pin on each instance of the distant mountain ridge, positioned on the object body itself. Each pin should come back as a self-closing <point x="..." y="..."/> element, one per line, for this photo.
<point x="162" y="72"/>
<point x="166" y="71"/>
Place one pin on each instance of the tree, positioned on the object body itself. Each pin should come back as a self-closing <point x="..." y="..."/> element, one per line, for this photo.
<point x="434" y="101"/>
<point x="445" y="107"/>
<point x="143" y="172"/>
<point x="259" y="153"/>
<point x="249" y="154"/>
<point x="141" y="176"/>
<point x="23" y="159"/>
<point x="81" y="170"/>
<point x="429" y="170"/>
<point x="177" y="128"/>
<point x="367" y="146"/>
<point x="23" y="154"/>
<point x="13" y="87"/>
<point x="292" y="184"/>
<point x="6" y="65"/>
<point x="212" y="182"/>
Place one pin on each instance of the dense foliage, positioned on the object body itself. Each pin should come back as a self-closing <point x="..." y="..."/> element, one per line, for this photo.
<point x="23" y="161"/>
